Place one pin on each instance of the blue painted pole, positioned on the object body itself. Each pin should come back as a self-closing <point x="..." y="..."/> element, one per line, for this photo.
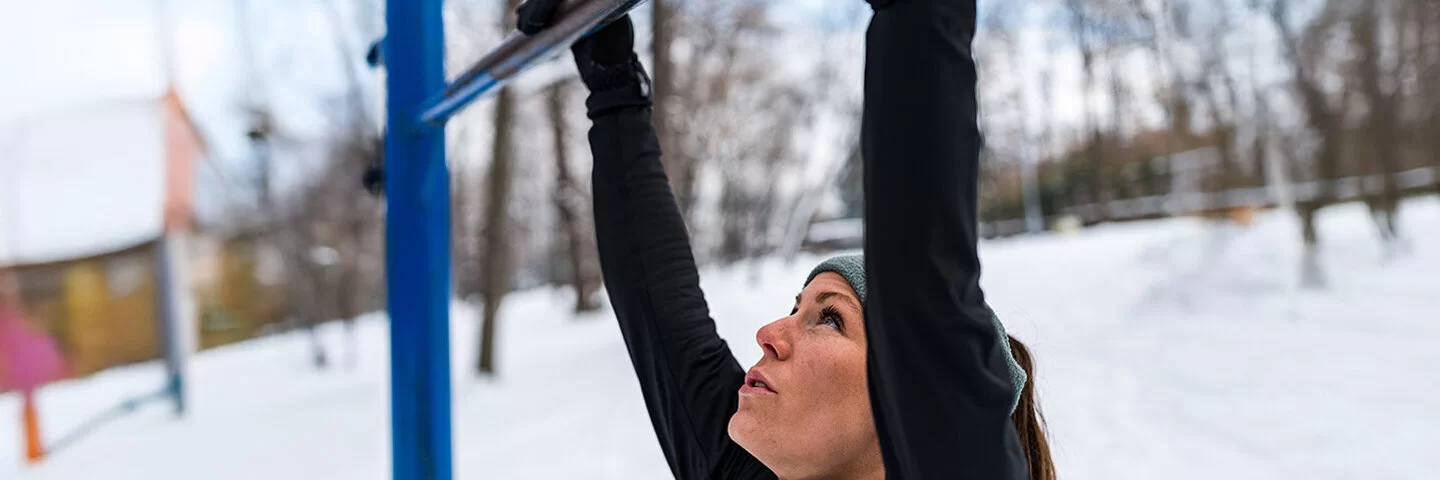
<point x="417" y="234"/>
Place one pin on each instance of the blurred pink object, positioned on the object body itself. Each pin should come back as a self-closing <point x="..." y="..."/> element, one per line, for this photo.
<point x="28" y="359"/>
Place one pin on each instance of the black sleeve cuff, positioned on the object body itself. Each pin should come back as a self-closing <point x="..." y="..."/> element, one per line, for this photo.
<point x="616" y="99"/>
<point x="617" y="87"/>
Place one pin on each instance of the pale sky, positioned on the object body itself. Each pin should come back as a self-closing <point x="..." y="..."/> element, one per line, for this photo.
<point x="66" y="55"/>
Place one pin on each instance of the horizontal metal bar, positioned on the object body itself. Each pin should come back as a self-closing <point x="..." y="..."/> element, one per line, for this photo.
<point x="578" y="18"/>
<point x="438" y="109"/>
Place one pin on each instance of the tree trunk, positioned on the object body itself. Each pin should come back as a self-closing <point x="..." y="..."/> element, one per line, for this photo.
<point x="1094" y="151"/>
<point x="1323" y="121"/>
<point x="1119" y="105"/>
<point x="568" y="199"/>
<point x="662" y="26"/>
<point x="1080" y="25"/>
<point x="1098" y="197"/>
<point x="497" y="256"/>
<point x="317" y="348"/>
<point x="286" y="237"/>
<point x="302" y="286"/>
<point x="1381" y="128"/>
<point x="1428" y="30"/>
<point x="1311" y="275"/>
<point x="349" y="285"/>
<point x="345" y="290"/>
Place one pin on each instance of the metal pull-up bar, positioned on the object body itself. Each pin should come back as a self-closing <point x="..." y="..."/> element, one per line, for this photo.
<point x="578" y="18"/>
<point x="417" y="224"/>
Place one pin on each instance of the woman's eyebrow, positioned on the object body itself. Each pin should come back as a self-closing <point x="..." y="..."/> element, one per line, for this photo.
<point x="832" y="294"/>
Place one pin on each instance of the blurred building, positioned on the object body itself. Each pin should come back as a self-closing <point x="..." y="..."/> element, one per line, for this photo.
<point x="88" y="199"/>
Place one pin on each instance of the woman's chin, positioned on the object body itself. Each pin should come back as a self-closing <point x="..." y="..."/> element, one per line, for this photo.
<point x="736" y="427"/>
<point x="744" y="429"/>
<point x="767" y="442"/>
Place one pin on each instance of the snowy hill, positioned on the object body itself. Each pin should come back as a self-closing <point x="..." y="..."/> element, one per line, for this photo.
<point x="1167" y="349"/>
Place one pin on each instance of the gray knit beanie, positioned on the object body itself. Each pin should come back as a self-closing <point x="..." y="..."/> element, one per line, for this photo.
<point x="852" y="267"/>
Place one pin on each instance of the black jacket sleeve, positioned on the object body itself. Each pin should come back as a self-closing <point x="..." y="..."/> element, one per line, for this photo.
<point x="939" y="386"/>
<point x="686" y="371"/>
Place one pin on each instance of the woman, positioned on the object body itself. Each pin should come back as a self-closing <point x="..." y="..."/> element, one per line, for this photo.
<point x="890" y="366"/>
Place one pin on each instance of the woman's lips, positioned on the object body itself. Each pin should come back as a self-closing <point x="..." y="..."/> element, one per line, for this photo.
<point x="757" y="384"/>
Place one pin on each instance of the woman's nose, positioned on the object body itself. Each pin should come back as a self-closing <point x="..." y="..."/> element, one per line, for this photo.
<point x="774" y="339"/>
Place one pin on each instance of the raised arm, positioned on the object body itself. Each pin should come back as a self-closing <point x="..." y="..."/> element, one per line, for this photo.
<point x="939" y="383"/>
<point x="687" y="374"/>
<point x="686" y="371"/>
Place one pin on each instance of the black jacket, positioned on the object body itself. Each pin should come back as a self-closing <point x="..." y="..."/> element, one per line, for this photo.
<point x="939" y="388"/>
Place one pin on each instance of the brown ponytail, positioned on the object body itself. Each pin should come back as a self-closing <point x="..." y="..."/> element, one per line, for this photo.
<point x="1029" y="421"/>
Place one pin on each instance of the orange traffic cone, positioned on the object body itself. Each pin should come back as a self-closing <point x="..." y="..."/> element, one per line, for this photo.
<point x="34" y="451"/>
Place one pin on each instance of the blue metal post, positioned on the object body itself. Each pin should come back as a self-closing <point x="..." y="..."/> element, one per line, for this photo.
<point x="417" y="233"/>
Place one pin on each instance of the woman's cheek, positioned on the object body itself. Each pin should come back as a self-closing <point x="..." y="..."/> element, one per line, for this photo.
<point x="844" y="372"/>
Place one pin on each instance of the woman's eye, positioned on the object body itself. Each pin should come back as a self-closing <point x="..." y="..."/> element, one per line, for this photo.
<point x="830" y="316"/>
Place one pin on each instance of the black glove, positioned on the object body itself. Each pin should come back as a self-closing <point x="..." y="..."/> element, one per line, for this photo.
<point x="606" y="59"/>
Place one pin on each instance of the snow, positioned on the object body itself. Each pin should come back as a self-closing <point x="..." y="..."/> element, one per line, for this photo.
<point x="82" y="182"/>
<point x="1168" y="349"/>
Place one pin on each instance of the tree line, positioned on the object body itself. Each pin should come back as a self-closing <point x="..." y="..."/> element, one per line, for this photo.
<point x="758" y="119"/>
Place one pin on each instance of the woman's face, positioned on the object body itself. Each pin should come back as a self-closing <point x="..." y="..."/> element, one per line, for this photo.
<point x="804" y="409"/>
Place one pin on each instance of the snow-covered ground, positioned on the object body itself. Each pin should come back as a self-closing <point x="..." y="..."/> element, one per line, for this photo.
<point x="1166" y="350"/>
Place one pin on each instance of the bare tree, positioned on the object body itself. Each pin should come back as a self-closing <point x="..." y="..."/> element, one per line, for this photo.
<point x="1104" y="31"/>
<point x="497" y="261"/>
<point x="1082" y="22"/>
<point x="292" y="238"/>
<point x="732" y="98"/>
<point x="1217" y="89"/>
<point x="1426" y="18"/>
<point x="1383" y="122"/>
<point x="324" y="229"/>
<point x="750" y="165"/>
<point x="570" y="203"/>
<point x="1009" y="189"/>
<point x="1323" y="119"/>
<point x="1153" y="17"/>
<point x="664" y="18"/>
<point x="355" y="223"/>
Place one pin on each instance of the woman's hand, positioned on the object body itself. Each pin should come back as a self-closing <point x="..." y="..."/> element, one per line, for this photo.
<point x="606" y="59"/>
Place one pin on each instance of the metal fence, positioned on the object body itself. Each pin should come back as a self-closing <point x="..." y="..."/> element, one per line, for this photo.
<point x="1280" y="194"/>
